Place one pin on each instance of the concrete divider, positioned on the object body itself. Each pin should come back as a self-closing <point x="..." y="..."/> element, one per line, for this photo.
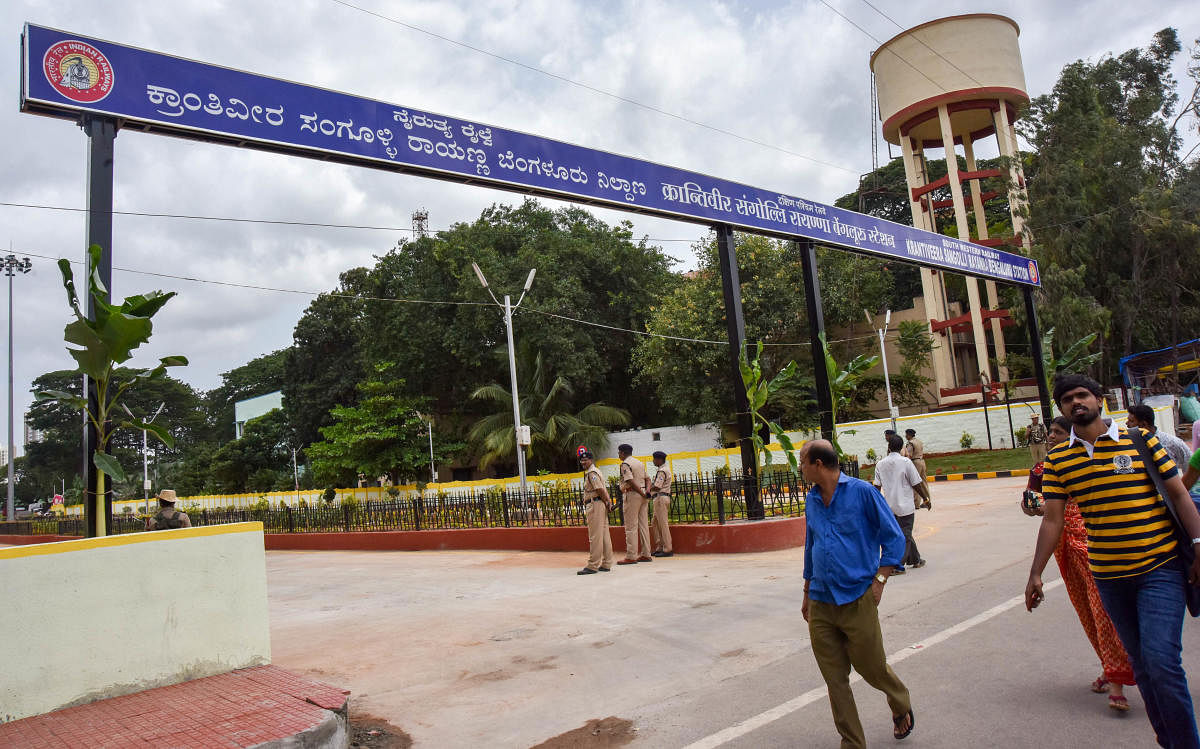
<point x="742" y="536"/>
<point x="94" y="618"/>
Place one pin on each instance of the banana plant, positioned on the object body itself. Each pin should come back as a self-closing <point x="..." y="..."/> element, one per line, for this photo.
<point x="99" y="347"/>
<point x="843" y="381"/>
<point x="758" y="392"/>
<point x="1076" y="358"/>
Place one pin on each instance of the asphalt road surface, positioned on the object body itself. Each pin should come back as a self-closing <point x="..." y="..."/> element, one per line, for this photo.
<point x="505" y="649"/>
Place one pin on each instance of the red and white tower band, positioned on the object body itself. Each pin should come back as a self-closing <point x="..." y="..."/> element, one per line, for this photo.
<point x="945" y="86"/>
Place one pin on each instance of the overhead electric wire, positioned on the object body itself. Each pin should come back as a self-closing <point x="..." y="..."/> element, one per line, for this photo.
<point x="594" y="89"/>
<point x="923" y="44"/>
<point x="238" y="220"/>
<point x="360" y="297"/>
<point x="368" y="227"/>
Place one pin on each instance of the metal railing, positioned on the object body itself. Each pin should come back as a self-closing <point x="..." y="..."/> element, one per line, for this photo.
<point x="707" y="498"/>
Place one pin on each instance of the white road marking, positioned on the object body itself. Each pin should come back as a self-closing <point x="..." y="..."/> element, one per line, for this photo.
<point x="758" y="721"/>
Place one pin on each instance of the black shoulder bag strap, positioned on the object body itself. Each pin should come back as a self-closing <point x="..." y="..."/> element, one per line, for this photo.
<point x="1186" y="551"/>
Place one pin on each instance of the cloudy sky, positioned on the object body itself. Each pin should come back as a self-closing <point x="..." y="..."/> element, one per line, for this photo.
<point x="793" y="75"/>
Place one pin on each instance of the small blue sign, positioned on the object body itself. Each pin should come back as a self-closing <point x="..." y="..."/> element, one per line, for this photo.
<point x="66" y="74"/>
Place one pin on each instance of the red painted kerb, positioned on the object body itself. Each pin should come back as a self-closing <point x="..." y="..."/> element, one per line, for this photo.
<point x="732" y="538"/>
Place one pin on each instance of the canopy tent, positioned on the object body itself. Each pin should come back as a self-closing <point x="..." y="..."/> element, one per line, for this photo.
<point x="1174" y="369"/>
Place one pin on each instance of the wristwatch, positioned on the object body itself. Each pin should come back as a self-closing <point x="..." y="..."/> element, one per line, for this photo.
<point x="1195" y="541"/>
<point x="880" y="577"/>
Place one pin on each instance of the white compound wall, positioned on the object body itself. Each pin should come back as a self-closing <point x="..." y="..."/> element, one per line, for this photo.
<point x="96" y="618"/>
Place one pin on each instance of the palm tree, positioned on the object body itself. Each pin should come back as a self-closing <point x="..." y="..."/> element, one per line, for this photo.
<point x="546" y="409"/>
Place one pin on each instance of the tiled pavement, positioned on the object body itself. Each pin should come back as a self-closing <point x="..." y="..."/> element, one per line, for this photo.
<point x="238" y="709"/>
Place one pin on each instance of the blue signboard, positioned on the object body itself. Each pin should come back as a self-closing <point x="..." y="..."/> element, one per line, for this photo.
<point x="67" y="75"/>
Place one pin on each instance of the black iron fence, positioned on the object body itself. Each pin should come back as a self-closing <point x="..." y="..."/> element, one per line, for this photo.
<point x="707" y="498"/>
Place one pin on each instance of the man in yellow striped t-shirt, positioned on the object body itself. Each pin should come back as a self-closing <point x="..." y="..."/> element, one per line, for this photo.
<point x="1132" y="549"/>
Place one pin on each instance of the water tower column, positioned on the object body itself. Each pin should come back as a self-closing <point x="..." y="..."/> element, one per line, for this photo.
<point x="964" y="233"/>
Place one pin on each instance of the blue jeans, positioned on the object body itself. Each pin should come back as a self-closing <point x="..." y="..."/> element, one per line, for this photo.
<point x="1147" y="611"/>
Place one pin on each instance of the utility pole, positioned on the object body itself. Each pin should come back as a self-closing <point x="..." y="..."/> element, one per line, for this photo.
<point x="146" y="454"/>
<point x="522" y="431"/>
<point x="12" y="266"/>
<point x="887" y="382"/>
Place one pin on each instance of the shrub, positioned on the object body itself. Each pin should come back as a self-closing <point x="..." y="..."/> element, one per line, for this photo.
<point x="871" y="454"/>
<point x="1021" y="434"/>
<point x="393" y="492"/>
<point x="351" y="502"/>
<point x="329" y="494"/>
<point x="966" y="440"/>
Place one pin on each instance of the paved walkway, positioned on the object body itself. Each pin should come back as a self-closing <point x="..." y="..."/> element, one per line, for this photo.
<point x="239" y="709"/>
<point x="510" y="649"/>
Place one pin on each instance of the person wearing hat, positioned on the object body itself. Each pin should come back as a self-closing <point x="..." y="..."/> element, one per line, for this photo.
<point x="1036" y="434"/>
<point x="660" y="494"/>
<point x="168" y="517"/>
<point x="635" y="490"/>
<point x="595" y="499"/>
<point x="914" y="450"/>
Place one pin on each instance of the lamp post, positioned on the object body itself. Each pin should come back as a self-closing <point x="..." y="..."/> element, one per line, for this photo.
<point x="12" y="266"/>
<point x="146" y="454"/>
<point x="432" y="468"/>
<point x="887" y="382"/>
<point x="522" y="432"/>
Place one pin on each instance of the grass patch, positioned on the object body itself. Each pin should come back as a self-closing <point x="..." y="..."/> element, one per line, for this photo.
<point x="969" y="461"/>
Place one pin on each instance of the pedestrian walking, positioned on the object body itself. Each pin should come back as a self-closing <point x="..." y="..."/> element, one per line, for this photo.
<point x="1036" y="435"/>
<point x="596" y="504"/>
<point x="897" y="478"/>
<point x="851" y="545"/>
<point x="635" y="490"/>
<point x="914" y="450"/>
<point x="660" y="494"/>
<point x="1133" y="554"/>
<point x="1141" y="417"/>
<point x="1072" y="557"/>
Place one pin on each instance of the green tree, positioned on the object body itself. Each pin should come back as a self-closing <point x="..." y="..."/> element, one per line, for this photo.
<point x="547" y="407"/>
<point x="260" y="376"/>
<point x="844" y="383"/>
<point x="1114" y="206"/>
<point x="694" y="377"/>
<point x="381" y="435"/>
<point x="258" y="461"/>
<point x="324" y="366"/>
<point x="102" y="344"/>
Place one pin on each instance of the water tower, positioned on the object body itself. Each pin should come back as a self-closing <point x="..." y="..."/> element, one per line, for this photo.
<point x="945" y="87"/>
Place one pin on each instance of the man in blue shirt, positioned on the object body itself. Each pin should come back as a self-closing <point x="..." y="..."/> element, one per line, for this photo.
<point x="851" y="545"/>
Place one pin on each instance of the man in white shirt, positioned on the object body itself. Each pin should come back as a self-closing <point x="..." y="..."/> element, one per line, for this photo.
<point x="896" y="477"/>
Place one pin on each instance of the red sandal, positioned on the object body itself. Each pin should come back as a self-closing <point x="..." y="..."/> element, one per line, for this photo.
<point x="1118" y="703"/>
<point x="1100" y="686"/>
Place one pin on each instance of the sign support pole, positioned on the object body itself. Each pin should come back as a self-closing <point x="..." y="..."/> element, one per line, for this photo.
<point x="816" y="329"/>
<point x="731" y="289"/>
<point x="1039" y="363"/>
<point x="102" y="134"/>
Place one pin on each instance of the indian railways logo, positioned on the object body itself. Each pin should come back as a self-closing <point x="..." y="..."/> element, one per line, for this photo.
<point x="1122" y="463"/>
<point x="1033" y="271"/>
<point x="78" y="71"/>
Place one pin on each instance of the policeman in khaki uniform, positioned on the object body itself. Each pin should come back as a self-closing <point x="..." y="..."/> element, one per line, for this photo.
<point x="635" y="488"/>
<point x="595" y="496"/>
<point x="660" y="494"/>
<point x="914" y="450"/>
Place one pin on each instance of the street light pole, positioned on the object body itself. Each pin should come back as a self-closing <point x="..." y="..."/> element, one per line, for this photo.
<point x="887" y="382"/>
<point x="146" y="454"/>
<point x="12" y="266"/>
<point x="432" y="467"/>
<point x="508" y="307"/>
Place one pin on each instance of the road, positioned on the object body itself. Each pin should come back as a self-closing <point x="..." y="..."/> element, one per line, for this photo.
<point x="499" y="649"/>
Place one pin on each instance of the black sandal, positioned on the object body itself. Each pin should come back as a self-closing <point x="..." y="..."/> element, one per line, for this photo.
<point x="912" y="722"/>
